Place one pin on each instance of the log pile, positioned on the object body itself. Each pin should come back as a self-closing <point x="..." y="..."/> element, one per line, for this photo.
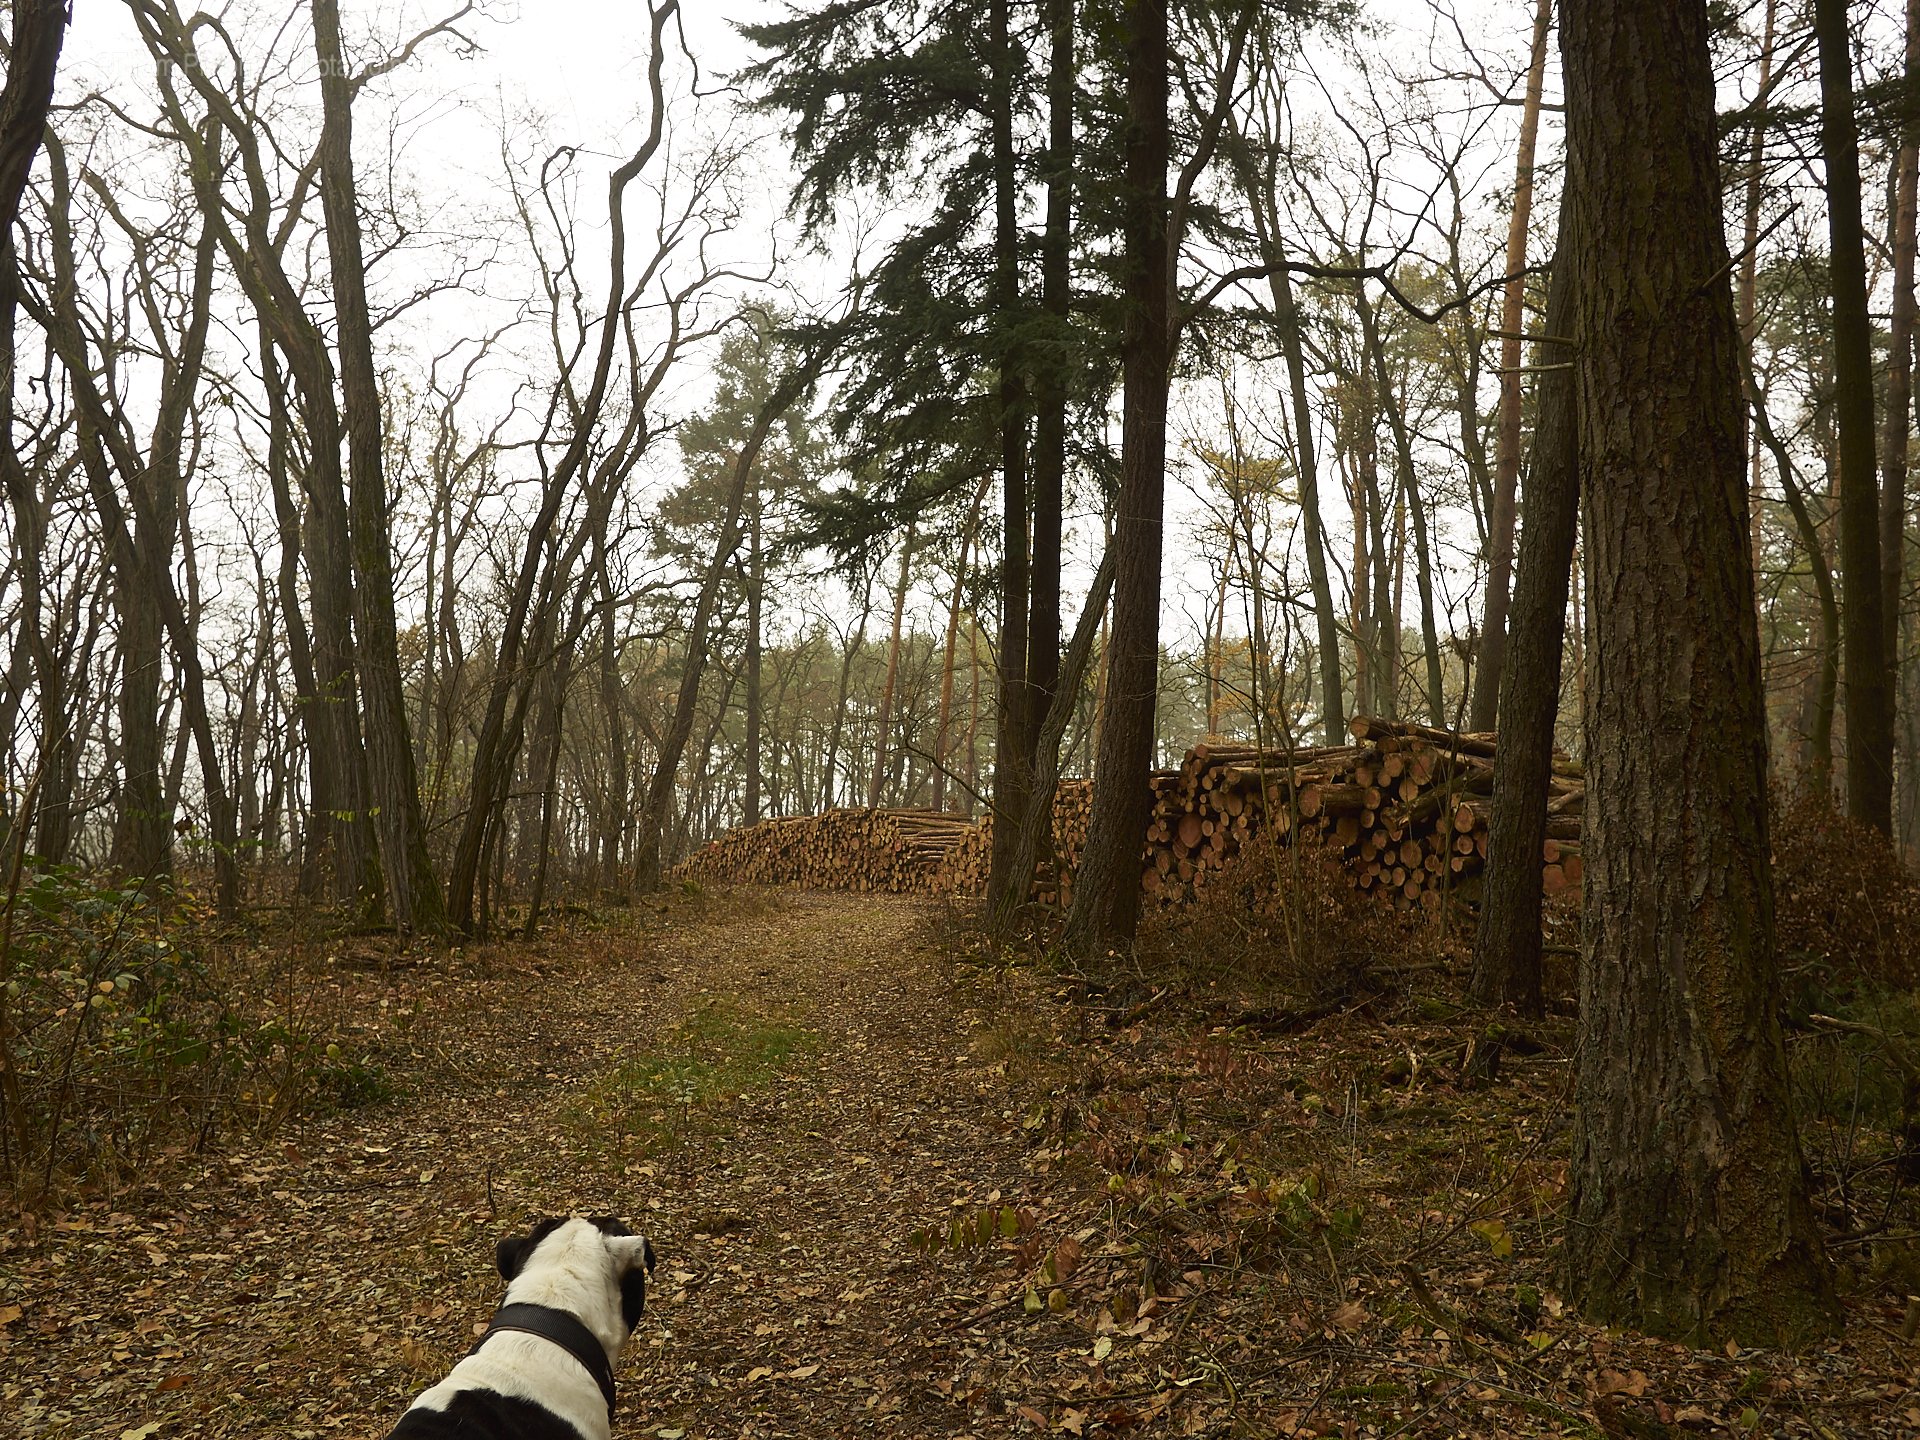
<point x="888" y="851"/>
<point x="1405" y="807"/>
<point x="967" y="863"/>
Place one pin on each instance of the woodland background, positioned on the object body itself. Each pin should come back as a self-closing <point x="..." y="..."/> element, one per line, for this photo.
<point x="274" y="538"/>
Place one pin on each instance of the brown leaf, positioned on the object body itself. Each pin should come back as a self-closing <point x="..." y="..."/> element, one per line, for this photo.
<point x="1351" y="1316"/>
<point x="1612" y="1382"/>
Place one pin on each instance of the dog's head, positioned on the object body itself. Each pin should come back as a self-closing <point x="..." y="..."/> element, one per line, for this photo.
<point x="571" y="1263"/>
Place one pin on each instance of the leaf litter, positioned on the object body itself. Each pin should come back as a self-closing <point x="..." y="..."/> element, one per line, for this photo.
<point x="896" y="1189"/>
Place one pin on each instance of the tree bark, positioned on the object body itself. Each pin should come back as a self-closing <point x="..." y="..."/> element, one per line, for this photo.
<point x="1899" y="420"/>
<point x="877" y="789"/>
<point x="1106" y="901"/>
<point x="1506" y="953"/>
<point x="1506" y="462"/>
<point x="1869" y="696"/>
<point x="39" y="31"/>
<point x="1013" y="740"/>
<point x="1688" y="1214"/>
<point x="414" y="900"/>
<point x="1036" y="832"/>
<point x="1052" y="365"/>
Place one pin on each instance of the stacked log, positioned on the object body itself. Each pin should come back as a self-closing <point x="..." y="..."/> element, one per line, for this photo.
<point x="873" y="850"/>
<point x="1405" y="807"/>
<point x="968" y="862"/>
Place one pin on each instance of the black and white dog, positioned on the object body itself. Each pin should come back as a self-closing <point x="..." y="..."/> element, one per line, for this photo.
<point x="544" y="1369"/>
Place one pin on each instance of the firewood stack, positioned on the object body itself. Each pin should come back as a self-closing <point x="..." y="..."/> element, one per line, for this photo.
<point x="1405" y="806"/>
<point x="888" y="851"/>
<point x="968" y="862"/>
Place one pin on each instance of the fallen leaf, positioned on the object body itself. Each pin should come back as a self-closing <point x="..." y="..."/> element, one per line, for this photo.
<point x="9" y="1314"/>
<point x="1032" y="1416"/>
<point x="759" y="1372"/>
<point x="1351" y="1316"/>
<point x="805" y="1372"/>
<point x="1074" y="1421"/>
<point x="152" y="1427"/>
<point x="1612" y="1382"/>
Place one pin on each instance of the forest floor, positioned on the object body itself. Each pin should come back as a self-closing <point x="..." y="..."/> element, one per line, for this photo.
<point x="896" y="1189"/>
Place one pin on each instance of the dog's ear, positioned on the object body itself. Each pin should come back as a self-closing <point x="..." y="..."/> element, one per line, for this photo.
<point x="633" y="1258"/>
<point x="510" y="1254"/>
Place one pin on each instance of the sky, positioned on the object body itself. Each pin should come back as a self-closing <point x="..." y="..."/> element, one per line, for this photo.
<point x="581" y="66"/>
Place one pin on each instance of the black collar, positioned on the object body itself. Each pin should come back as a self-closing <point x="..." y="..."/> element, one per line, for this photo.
<point x="563" y="1330"/>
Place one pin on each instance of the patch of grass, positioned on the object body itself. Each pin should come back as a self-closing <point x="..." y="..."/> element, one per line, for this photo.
<point x="713" y="1058"/>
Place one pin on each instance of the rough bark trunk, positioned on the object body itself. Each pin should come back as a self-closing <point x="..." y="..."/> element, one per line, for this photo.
<point x="1869" y="697"/>
<point x="1052" y="366"/>
<point x="1506" y="466"/>
<point x="1106" y="902"/>
<point x="1506" y="953"/>
<point x="414" y="900"/>
<point x="1688" y="1214"/>
<point x="1898" y="421"/>
<point x="1013" y="738"/>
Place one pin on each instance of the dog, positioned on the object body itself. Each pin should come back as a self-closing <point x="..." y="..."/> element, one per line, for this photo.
<point x="576" y="1288"/>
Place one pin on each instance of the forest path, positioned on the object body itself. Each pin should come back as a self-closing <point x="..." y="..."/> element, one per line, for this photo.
<point x="781" y="1088"/>
<point x="777" y="1087"/>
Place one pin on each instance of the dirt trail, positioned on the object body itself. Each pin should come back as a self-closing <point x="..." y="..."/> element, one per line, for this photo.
<point x="310" y="1285"/>
<point x="1323" y="1224"/>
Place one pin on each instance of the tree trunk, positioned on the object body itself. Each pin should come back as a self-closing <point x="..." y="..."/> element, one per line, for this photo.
<point x="414" y="900"/>
<point x="943" y="732"/>
<point x="1898" y="421"/>
<point x="1013" y="745"/>
<point x="493" y="757"/>
<point x="1750" y="221"/>
<point x="1036" y="831"/>
<point x="1869" y="696"/>
<point x="1383" y="681"/>
<point x="1053" y="364"/>
<point x="1506" y="466"/>
<point x="1506" y="953"/>
<point x="1688" y="1214"/>
<point x="647" y="863"/>
<point x="1106" y="901"/>
<point x="1410" y="487"/>
<point x="880" y="756"/>
<point x="1827" y="685"/>
<point x="852" y="651"/>
<point x="322" y="789"/>
<point x="756" y="581"/>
